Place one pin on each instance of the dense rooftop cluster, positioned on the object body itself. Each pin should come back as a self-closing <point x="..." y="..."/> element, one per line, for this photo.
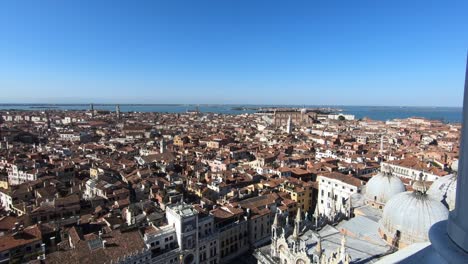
<point x="101" y="187"/>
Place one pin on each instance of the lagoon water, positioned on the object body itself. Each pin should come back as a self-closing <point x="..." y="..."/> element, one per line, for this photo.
<point x="445" y="114"/>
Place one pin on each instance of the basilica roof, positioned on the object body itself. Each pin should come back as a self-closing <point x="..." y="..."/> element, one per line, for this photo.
<point x="444" y="190"/>
<point x="382" y="187"/>
<point x="412" y="213"/>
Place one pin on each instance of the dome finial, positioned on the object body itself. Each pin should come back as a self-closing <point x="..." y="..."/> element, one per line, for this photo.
<point x="420" y="184"/>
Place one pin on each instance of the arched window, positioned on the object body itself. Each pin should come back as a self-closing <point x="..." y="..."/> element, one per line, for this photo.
<point x="300" y="261"/>
<point x="282" y="249"/>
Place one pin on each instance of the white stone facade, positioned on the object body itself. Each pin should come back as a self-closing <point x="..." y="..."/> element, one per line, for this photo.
<point x="333" y="195"/>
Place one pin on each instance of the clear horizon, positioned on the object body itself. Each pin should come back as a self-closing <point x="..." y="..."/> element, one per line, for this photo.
<point x="228" y="104"/>
<point x="360" y="53"/>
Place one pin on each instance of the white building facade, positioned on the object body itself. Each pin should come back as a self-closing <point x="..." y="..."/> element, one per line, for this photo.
<point x="408" y="172"/>
<point x="16" y="175"/>
<point x="334" y="192"/>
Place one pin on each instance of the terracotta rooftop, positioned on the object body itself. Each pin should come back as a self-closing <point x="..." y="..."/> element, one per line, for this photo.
<point x="343" y="178"/>
<point x="28" y="235"/>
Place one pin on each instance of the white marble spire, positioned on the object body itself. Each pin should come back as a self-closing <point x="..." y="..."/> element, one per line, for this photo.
<point x="299" y="216"/>
<point x="275" y="220"/>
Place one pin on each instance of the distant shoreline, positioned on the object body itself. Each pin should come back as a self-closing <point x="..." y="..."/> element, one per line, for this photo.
<point x="233" y="105"/>
<point x="382" y="113"/>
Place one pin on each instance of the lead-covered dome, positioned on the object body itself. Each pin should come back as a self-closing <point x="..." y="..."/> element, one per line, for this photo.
<point x="444" y="190"/>
<point x="382" y="187"/>
<point x="410" y="215"/>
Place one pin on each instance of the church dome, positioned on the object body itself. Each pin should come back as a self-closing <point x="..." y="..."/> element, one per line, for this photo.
<point x="444" y="190"/>
<point x="411" y="214"/>
<point x="382" y="187"/>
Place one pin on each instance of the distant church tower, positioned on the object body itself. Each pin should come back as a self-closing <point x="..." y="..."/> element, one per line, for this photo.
<point x="48" y="119"/>
<point x="289" y="126"/>
<point x="117" y="111"/>
<point x="1" y="121"/>
<point x="91" y="106"/>
<point x="162" y="146"/>
<point x="381" y="145"/>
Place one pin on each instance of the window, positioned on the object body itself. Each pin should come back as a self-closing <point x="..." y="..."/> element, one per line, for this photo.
<point x="189" y="243"/>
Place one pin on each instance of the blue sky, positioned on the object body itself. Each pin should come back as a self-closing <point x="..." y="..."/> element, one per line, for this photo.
<point x="234" y="51"/>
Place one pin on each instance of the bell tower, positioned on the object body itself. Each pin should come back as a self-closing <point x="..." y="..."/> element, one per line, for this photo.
<point x="117" y="111"/>
<point x="185" y="220"/>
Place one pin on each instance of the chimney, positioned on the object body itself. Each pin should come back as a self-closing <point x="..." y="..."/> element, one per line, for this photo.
<point x="53" y="244"/>
<point x="42" y="256"/>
